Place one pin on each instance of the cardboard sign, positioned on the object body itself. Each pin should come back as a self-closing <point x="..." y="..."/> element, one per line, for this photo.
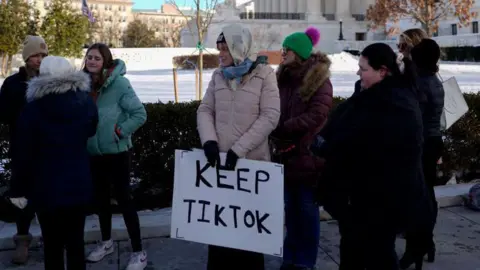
<point x="241" y="209"/>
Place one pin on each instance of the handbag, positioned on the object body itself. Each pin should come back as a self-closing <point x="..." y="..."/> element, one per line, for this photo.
<point x="454" y="106"/>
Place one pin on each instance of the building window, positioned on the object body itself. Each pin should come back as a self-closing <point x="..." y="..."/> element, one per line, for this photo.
<point x="475" y="27"/>
<point x="454" y="29"/>
<point x="360" y="36"/>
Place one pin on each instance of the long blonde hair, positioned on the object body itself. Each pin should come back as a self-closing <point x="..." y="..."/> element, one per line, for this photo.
<point x="413" y="36"/>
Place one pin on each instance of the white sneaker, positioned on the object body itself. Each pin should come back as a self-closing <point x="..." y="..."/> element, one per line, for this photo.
<point x="103" y="249"/>
<point x="138" y="261"/>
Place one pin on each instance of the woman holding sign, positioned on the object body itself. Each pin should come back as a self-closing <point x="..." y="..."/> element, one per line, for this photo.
<point x="241" y="107"/>
<point x="306" y="98"/>
<point x="372" y="182"/>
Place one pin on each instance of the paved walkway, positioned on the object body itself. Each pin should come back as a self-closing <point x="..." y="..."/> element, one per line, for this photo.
<point x="457" y="237"/>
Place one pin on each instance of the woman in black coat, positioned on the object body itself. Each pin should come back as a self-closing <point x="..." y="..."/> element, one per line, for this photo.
<point x="425" y="56"/>
<point x="373" y="182"/>
<point x="52" y="162"/>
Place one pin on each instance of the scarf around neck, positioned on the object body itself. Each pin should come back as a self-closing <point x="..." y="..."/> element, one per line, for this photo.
<point x="237" y="72"/>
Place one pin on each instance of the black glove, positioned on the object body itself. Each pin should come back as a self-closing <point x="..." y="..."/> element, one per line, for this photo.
<point x="231" y="161"/>
<point x="212" y="153"/>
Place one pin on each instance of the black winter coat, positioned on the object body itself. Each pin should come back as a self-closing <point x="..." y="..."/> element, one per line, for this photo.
<point x="12" y="102"/>
<point x="373" y="149"/>
<point x="51" y="164"/>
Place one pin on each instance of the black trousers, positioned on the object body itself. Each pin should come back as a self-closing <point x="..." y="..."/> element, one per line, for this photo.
<point x="419" y="241"/>
<point x="108" y="171"/>
<point x="62" y="229"/>
<point x="366" y="246"/>
<point x="432" y="151"/>
<point x="221" y="258"/>
<point x="24" y="219"/>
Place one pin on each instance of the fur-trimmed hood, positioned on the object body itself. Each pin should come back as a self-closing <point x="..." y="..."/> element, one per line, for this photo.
<point x="312" y="73"/>
<point x="41" y="86"/>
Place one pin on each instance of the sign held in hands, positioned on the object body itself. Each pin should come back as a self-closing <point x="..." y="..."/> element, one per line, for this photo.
<point x="240" y="209"/>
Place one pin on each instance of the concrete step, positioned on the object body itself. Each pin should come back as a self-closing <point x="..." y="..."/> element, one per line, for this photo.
<point x="157" y="223"/>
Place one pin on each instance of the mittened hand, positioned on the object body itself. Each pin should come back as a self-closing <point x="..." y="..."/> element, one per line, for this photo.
<point x="212" y="153"/>
<point x="231" y="161"/>
<point x="19" y="202"/>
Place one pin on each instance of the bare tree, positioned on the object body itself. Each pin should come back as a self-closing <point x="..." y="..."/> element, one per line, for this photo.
<point x="202" y="19"/>
<point x="429" y="13"/>
<point x="107" y="28"/>
<point x="265" y="37"/>
<point x="169" y="31"/>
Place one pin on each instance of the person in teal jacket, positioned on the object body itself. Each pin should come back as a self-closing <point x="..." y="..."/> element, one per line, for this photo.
<point x="121" y="113"/>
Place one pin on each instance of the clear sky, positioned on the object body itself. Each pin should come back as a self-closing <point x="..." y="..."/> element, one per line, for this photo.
<point x="156" y="4"/>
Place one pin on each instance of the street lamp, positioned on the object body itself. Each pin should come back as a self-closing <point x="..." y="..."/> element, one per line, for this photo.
<point x="340" y="36"/>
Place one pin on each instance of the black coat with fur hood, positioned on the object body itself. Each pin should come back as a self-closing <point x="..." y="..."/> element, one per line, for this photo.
<point x="52" y="163"/>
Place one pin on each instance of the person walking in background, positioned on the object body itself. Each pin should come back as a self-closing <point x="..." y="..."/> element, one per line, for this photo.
<point x="12" y="101"/>
<point x="372" y="182"/>
<point x="52" y="162"/>
<point x="121" y="113"/>
<point x="409" y="39"/>
<point x="426" y="55"/>
<point x="306" y="98"/>
<point x="241" y="107"/>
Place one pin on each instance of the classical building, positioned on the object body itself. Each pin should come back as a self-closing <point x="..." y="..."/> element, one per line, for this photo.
<point x="271" y="20"/>
<point x="166" y="22"/>
<point x="112" y="17"/>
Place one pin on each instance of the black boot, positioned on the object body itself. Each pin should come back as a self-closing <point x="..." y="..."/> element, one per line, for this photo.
<point x="410" y="258"/>
<point x="431" y="253"/>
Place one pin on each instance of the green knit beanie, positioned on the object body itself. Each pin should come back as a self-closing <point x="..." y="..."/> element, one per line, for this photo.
<point x="302" y="43"/>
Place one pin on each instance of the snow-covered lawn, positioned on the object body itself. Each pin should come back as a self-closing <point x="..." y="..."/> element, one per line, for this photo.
<point x="157" y="85"/>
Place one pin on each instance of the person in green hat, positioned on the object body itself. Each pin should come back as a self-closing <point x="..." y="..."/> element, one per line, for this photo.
<point x="306" y="98"/>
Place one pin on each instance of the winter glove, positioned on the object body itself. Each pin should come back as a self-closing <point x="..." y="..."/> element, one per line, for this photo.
<point x="231" y="161"/>
<point x="19" y="202"/>
<point x="212" y="153"/>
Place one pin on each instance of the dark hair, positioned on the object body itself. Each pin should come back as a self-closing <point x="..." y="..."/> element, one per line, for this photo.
<point x="426" y="55"/>
<point x="381" y="55"/>
<point x="107" y="62"/>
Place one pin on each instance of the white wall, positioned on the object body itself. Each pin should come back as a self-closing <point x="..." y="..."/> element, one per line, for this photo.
<point x="137" y="59"/>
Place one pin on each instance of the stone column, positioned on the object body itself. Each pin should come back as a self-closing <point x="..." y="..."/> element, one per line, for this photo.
<point x="276" y="6"/>
<point x="292" y="6"/>
<point x="284" y="6"/>
<point x="268" y="6"/>
<point x="343" y="10"/>
<point x="301" y="7"/>
<point x="314" y="10"/>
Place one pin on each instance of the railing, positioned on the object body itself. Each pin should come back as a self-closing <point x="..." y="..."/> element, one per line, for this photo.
<point x="271" y="16"/>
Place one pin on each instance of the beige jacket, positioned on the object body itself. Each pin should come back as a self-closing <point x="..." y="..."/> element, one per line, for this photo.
<point x="241" y="119"/>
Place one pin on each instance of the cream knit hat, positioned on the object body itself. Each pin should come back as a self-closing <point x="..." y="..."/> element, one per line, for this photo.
<point x="33" y="45"/>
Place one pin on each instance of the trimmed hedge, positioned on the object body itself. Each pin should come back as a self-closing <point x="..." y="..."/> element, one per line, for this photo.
<point x="190" y="61"/>
<point x="172" y="126"/>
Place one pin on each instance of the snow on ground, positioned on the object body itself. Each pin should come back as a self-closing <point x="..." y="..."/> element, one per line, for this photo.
<point x="157" y="84"/>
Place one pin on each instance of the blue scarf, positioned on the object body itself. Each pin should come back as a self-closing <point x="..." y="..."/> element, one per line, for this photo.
<point x="237" y="72"/>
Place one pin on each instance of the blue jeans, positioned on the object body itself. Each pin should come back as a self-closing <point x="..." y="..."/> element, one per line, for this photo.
<point x="302" y="220"/>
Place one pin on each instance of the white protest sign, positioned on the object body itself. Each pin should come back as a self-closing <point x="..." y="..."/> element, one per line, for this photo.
<point x="454" y="106"/>
<point x="241" y="209"/>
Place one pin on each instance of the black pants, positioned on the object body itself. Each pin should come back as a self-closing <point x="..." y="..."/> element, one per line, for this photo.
<point x="421" y="240"/>
<point x="24" y="219"/>
<point x="221" y="258"/>
<point x="366" y="246"/>
<point x="432" y="151"/>
<point x="63" y="229"/>
<point x="114" y="170"/>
